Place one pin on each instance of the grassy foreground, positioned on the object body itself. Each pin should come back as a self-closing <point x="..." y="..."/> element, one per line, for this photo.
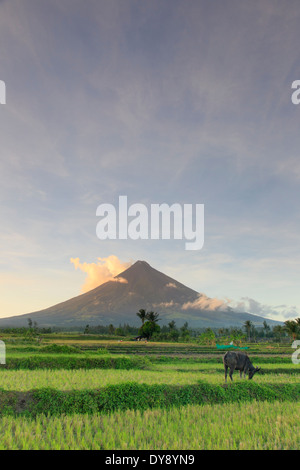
<point x="73" y="394"/>
<point x="235" y="426"/>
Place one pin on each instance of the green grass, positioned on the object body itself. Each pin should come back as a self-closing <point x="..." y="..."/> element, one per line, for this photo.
<point x="170" y="374"/>
<point x="239" y="426"/>
<point x="88" y="394"/>
<point x="67" y="357"/>
<point x="68" y="361"/>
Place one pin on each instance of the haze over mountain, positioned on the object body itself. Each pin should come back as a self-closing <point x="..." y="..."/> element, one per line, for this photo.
<point x="139" y="286"/>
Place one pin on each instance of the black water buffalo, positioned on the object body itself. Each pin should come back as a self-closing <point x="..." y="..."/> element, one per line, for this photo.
<point x="237" y="360"/>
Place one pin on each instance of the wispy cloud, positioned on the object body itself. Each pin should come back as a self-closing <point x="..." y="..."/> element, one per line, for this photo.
<point x="172" y="285"/>
<point x="276" y="312"/>
<point x="205" y="303"/>
<point x="245" y="304"/>
<point x="171" y="303"/>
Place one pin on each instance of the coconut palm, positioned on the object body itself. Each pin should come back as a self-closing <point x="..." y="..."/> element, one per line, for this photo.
<point x="292" y="328"/>
<point x="152" y="316"/>
<point x="248" y="325"/>
<point x="142" y="315"/>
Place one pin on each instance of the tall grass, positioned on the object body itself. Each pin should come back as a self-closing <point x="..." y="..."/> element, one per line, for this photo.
<point x="251" y="426"/>
<point x="78" y="379"/>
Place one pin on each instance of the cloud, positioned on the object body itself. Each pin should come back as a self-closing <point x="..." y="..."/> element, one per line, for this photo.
<point x="171" y="284"/>
<point x="278" y="312"/>
<point x="245" y="304"/>
<point x="104" y="270"/>
<point x="165" y="304"/>
<point x="206" y="303"/>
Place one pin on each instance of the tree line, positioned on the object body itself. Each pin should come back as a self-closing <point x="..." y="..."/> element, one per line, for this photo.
<point x="249" y="331"/>
<point x="149" y="328"/>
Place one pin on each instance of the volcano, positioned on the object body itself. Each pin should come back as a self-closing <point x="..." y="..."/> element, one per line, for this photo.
<point x="140" y="286"/>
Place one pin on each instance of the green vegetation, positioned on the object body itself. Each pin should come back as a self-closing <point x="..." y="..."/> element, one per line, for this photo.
<point x="132" y="395"/>
<point x="84" y="391"/>
<point x="149" y="327"/>
<point x="237" y="426"/>
<point x="290" y="330"/>
<point x="74" y="361"/>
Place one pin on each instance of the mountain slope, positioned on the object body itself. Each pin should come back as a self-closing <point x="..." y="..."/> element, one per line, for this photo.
<point x="117" y="301"/>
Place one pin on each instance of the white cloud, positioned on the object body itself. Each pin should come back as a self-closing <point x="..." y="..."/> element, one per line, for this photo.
<point x="165" y="304"/>
<point x="103" y="271"/>
<point x="206" y="303"/>
<point x="276" y="312"/>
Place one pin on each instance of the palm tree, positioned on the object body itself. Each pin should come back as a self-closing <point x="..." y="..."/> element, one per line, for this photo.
<point x="248" y="325"/>
<point x="152" y="316"/>
<point x="142" y="315"/>
<point x="266" y="327"/>
<point x="292" y="328"/>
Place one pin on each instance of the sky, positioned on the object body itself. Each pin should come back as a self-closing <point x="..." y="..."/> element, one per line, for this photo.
<point x="173" y="101"/>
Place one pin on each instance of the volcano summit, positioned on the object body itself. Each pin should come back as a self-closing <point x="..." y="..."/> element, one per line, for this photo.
<point x="139" y="286"/>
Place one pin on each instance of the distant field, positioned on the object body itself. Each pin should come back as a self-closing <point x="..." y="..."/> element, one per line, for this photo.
<point x="80" y="392"/>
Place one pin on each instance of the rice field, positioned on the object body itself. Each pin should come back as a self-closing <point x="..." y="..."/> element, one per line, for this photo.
<point x="254" y="426"/>
<point x="174" y="398"/>
<point x="169" y="374"/>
